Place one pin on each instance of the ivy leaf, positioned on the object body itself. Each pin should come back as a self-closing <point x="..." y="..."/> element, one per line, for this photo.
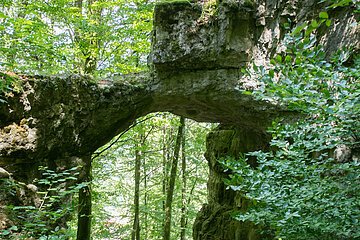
<point x="298" y="29"/>
<point x="323" y="15"/>
<point x="328" y="23"/>
<point x="314" y="24"/>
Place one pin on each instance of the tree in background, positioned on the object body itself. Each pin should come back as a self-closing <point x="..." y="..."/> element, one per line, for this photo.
<point x="114" y="173"/>
<point x="97" y="37"/>
<point x="172" y="179"/>
<point x="106" y="38"/>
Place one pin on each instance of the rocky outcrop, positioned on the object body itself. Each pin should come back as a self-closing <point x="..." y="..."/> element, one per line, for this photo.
<point x="215" y="220"/>
<point x="197" y="55"/>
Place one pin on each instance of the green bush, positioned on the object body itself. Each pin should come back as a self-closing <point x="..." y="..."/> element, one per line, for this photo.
<point x="46" y="219"/>
<point x="299" y="188"/>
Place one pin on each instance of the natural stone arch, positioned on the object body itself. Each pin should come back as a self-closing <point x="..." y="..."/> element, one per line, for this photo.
<point x="195" y="62"/>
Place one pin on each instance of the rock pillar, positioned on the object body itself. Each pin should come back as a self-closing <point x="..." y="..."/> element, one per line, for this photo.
<point x="215" y="221"/>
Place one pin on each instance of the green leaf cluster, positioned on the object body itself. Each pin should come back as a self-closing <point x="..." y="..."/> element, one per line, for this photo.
<point x="113" y="184"/>
<point x="43" y="220"/>
<point x="99" y="37"/>
<point x="302" y="188"/>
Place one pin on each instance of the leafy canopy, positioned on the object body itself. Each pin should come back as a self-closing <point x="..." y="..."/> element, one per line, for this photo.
<point x="67" y="36"/>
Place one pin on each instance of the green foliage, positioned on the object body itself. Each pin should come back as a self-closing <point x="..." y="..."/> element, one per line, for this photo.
<point x="5" y="85"/>
<point x="298" y="199"/>
<point x="304" y="80"/>
<point x="113" y="184"/>
<point x="53" y="203"/>
<point x="54" y="37"/>
<point x="102" y="38"/>
<point x="332" y="4"/>
<point x="8" y="83"/>
<point x="299" y="188"/>
<point x="209" y="10"/>
<point x="173" y="1"/>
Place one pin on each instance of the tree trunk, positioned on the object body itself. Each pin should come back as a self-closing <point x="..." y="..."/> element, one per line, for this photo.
<point x="170" y="190"/>
<point x="84" y="208"/>
<point x="145" y="201"/>
<point x="183" y="190"/>
<point x="195" y="83"/>
<point x="165" y="166"/>
<point x="135" y="235"/>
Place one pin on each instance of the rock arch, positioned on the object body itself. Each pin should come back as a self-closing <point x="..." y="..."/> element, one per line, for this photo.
<point x="195" y="72"/>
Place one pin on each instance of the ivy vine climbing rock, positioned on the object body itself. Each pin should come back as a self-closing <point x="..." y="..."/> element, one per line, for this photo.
<point x="195" y="72"/>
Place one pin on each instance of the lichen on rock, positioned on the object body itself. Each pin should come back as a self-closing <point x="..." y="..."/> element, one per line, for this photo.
<point x="184" y="40"/>
<point x="196" y="61"/>
<point x="18" y="137"/>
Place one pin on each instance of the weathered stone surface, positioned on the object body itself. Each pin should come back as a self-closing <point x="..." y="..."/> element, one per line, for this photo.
<point x="215" y="221"/>
<point x="202" y="56"/>
<point x="212" y="96"/>
<point x="187" y="37"/>
<point x="185" y="34"/>
<point x="4" y="173"/>
<point x="195" y="61"/>
<point x="68" y="115"/>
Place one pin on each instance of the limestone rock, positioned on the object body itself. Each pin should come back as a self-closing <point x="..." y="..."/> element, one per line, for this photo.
<point x="32" y="187"/>
<point x="215" y="221"/>
<point x="4" y="173"/>
<point x="185" y="34"/>
<point x="196" y="62"/>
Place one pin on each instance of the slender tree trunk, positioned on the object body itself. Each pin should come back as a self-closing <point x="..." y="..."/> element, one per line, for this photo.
<point x="84" y="208"/>
<point x="183" y="190"/>
<point x="170" y="190"/>
<point x="165" y="167"/>
<point x="135" y="235"/>
<point x="145" y="201"/>
<point x="139" y="157"/>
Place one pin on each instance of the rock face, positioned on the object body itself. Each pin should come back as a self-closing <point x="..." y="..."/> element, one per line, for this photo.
<point x="187" y="34"/>
<point x="197" y="55"/>
<point x="214" y="221"/>
<point x="202" y="53"/>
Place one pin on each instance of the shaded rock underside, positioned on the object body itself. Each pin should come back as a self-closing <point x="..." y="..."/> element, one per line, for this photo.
<point x="195" y="63"/>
